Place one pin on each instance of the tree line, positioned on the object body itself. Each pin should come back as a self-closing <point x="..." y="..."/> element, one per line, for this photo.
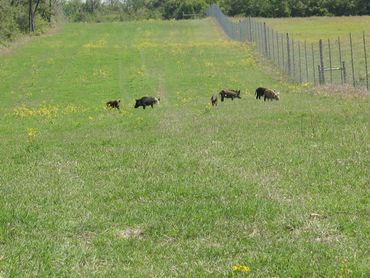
<point x="79" y="10"/>
<point x="29" y="16"/>
<point x="295" y="8"/>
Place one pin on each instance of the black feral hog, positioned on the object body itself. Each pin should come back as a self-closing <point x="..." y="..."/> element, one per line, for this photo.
<point x="146" y="101"/>
<point x="260" y="92"/>
<point x="113" y="104"/>
<point x="229" y="94"/>
<point x="214" y="101"/>
<point x="270" y="95"/>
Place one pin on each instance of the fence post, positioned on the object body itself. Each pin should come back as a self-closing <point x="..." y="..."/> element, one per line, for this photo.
<point x="300" y="63"/>
<point x="365" y="56"/>
<point x="268" y="42"/>
<point x="330" y="64"/>
<point x="353" y="66"/>
<point x="344" y="72"/>
<point x="261" y="38"/>
<point x="282" y="52"/>
<point x="277" y="48"/>
<point x="340" y="61"/>
<point x="321" y="69"/>
<point x="313" y="65"/>
<point x="288" y="54"/>
<point x="256" y="34"/>
<point x="265" y="38"/>
<point x="305" y="55"/>
<point x="271" y="45"/>
<point x="293" y="60"/>
<point x="240" y="30"/>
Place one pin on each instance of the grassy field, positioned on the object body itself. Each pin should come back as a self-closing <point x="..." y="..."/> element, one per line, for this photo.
<point x="184" y="189"/>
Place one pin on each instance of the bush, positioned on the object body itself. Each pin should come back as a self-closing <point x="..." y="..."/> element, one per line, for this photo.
<point x="8" y="25"/>
<point x="177" y="8"/>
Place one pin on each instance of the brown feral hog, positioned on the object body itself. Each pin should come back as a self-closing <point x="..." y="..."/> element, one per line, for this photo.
<point x="229" y="94"/>
<point x="113" y="104"/>
<point x="270" y="95"/>
<point x="146" y="101"/>
<point x="214" y="101"/>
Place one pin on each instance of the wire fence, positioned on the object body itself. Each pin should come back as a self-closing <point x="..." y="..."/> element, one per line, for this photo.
<point x="340" y="61"/>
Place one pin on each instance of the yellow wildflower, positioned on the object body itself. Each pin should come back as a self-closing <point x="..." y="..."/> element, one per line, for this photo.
<point x="31" y="134"/>
<point x="241" y="268"/>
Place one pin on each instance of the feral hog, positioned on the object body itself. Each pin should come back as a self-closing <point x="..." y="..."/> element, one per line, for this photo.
<point x="214" y="101"/>
<point x="113" y="104"/>
<point x="146" y="101"/>
<point x="260" y="92"/>
<point x="270" y="95"/>
<point x="229" y="94"/>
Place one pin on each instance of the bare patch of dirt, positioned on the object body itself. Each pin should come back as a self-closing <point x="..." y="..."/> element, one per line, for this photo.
<point x="314" y="215"/>
<point x="87" y="237"/>
<point x="131" y="233"/>
<point x="326" y="238"/>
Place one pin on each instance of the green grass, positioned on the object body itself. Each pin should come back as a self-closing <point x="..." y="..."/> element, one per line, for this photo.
<point x="182" y="189"/>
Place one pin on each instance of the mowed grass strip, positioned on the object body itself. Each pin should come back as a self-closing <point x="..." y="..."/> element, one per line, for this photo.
<point x="183" y="189"/>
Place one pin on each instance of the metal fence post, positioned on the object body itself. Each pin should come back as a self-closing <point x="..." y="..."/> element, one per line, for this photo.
<point x="293" y="60"/>
<point x="320" y="74"/>
<point x="271" y="45"/>
<point x="268" y="42"/>
<point x="265" y="38"/>
<point x="288" y="54"/>
<point x="262" y="47"/>
<point x="330" y="64"/>
<point x="277" y="49"/>
<point x="299" y="62"/>
<point x="282" y="52"/>
<point x="365" y="56"/>
<point x="340" y="61"/>
<point x="321" y="68"/>
<point x="344" y="72"/>
<point x="305" y="55"/>
<point x="353" y="66"/>
<point x="313" y="65"/>
<point x="240" y="31"/>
